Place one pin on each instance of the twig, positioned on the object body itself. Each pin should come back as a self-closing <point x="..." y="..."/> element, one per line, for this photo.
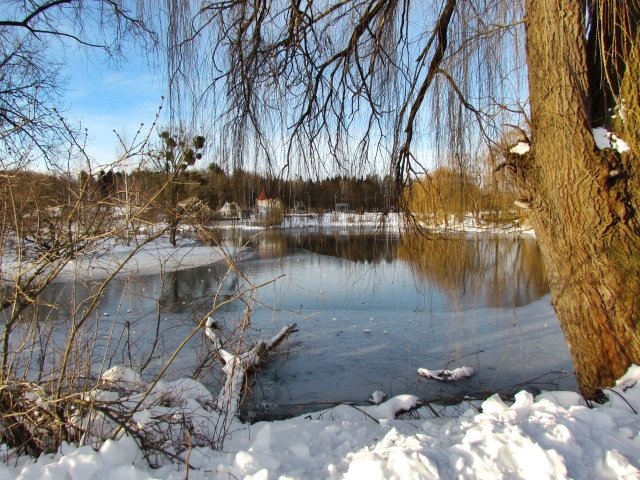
<point x="428" y="405"/>
<point x="625" y="400"/>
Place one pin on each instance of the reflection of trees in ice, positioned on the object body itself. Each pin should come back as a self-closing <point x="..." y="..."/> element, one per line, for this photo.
<point x="138" y="320"/>
<point x="496" y="271"/>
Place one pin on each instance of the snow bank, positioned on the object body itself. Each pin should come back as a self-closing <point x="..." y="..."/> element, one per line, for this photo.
<point x="552" y="436"/>
<point x="470" y="224"/>
<point x="346" y="222"/>
<point x="152" y="257"/>
<point x="114" y="461"/>
<point x="391" y="223"/>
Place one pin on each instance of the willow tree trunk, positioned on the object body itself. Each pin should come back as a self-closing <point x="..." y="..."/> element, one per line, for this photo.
<point x="584" y="201"/>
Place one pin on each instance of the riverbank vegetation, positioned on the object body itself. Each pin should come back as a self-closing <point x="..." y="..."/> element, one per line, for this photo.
<point x="435" y="197"/>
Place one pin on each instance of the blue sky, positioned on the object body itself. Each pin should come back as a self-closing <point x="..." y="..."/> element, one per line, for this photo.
<point x="105" y="98"/>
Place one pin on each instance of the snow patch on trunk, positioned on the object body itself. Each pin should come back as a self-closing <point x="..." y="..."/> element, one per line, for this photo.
<point x="606" y="139"/>
<point x="520" y="148"/>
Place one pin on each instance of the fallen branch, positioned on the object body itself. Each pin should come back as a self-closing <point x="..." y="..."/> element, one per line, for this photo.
<point x="237" y="366"/>
<point x="447" y="375"/>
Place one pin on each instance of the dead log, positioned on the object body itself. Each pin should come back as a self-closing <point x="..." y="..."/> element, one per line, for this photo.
<point x="236" y="366"/>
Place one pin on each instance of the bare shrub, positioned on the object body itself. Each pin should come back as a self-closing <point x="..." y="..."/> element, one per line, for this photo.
<point x="272" y="217"/>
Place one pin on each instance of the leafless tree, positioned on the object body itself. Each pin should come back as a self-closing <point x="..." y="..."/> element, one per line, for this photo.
<point x="33" y="35"/>
<point x="175" y="154"/>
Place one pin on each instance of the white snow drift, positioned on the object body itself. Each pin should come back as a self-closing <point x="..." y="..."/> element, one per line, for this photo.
<point x="551" y="436"/>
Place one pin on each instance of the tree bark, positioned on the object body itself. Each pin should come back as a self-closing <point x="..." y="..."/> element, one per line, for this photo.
<point x="584" y="201"/>
<point x="237" y="365"/>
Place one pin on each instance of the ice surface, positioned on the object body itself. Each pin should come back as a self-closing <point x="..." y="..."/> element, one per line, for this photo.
<point x="155" y="256"/>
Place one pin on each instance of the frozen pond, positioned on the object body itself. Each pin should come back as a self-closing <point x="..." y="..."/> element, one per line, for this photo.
<point x="370" y="311"/>
<point x="370" y="314"/>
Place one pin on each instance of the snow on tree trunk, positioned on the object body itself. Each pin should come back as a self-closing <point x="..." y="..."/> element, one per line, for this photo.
<point x="585" y="217"/>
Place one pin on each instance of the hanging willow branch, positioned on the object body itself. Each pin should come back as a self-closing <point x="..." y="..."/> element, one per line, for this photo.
<point x="347" y="84"/>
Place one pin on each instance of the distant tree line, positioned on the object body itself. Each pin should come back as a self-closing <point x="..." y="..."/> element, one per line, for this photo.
<point x="442" y="192"/>
<point x="214" y="187"/>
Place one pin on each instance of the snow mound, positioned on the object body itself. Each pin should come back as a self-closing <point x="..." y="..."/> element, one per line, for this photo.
<point x="187" y="388"/>
<point x="377" y="397"/>
<point x="552" y="436"/>
<point x="447" y="375"/>
<point x="394" y="407"/>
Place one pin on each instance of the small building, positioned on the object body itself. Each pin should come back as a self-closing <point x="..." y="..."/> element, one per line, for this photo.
<point x="342" y="207"/>
<point x="264" y="203"/>
<point x="229" y="210"/>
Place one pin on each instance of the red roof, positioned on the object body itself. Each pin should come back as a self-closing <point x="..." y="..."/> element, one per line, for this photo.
<point x="262" y="196"/>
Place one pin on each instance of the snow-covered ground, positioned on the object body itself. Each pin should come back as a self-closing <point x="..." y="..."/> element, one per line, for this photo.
<point x="147" y="257"/>
<point x="352" y="222"/>
<point x="469" y="224"/>
<point x="390" y="223"/>
<point x="370" y="221"/>
<point x="554" y="435"/>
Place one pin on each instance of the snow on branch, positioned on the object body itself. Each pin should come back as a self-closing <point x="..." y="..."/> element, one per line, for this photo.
<point x="394" y="407"/>
<point x="236" y="366"/>
<point x="447" y="375"/>
<point x="520" y="148"/>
